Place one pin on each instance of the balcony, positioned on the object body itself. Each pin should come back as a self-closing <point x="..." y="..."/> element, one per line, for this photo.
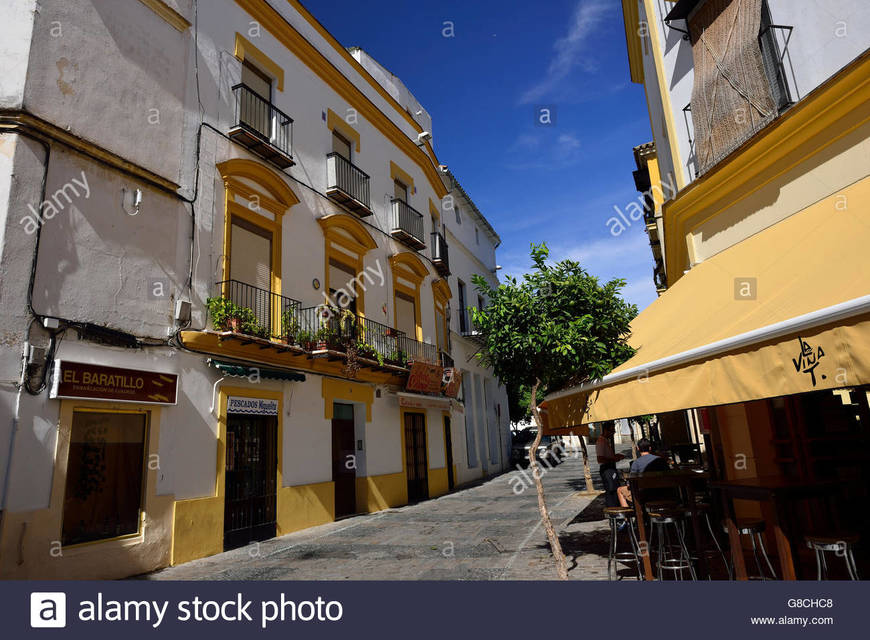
<point x="406" y="224"/>
<point x="348" y="185"/>
<point x="439" y="254"/>
<point x="249" y="315"/>
<point x="250" y="310"/>
<point x="466" y="328"/>
<point x="261" y="127"/>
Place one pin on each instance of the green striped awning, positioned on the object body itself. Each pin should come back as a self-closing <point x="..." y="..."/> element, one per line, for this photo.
<point x="247" y="371"/>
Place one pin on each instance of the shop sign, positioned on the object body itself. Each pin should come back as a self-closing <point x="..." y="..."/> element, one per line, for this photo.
<point x="452" y="382"/>
<point x="408" y="401"/>
<point x="79" y="380"/>
<point x="425" y="377"/>
<point x="252" y="406"/>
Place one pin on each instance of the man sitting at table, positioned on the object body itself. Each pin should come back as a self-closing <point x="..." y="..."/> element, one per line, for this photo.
<point x="646" y="461"/>
<point x="607" y="460"/>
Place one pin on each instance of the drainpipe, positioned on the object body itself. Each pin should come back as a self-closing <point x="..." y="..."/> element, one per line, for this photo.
<point x="214" y="393"/>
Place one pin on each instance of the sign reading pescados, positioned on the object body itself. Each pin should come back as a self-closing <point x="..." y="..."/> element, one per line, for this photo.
<point x="97" y="382"/>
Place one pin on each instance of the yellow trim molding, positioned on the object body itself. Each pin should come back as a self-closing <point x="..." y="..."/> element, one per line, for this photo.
<point x="167" y="14"/>
<point x="261" y="174"/>
<point x="333" y="390"/>
<point x="631" y="20"/>
<point x="397" y="173"/>
<point x="665" y="95"/>
<point x="827" y="114"/>
<point x="441" y="291"/>
<point x="335" y="122"/>
<point x="353" y="227"/>
<point x="275" y="197"/>
<point x="210" y="342"/>
<point x="284" y="32"/>
<point x="359" y="243"/>
<point x="408" y="267"/>
<point x="244" y="50"/>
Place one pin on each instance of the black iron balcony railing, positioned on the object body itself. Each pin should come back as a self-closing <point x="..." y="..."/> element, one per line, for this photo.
<point x="440" y="256"/>
<point x="407" y="224"/>
<point x="348" y="184"/>
<point x="262" y="127"/>
<point x="417" y="351"/>
<point x="322" y="328"/>
<point x="774" y="40"/>
<point x="254" y="311"/>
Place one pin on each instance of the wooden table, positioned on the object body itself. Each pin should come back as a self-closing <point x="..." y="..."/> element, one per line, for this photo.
<point x="683" y="479"/>
<point x="779" y="491"/>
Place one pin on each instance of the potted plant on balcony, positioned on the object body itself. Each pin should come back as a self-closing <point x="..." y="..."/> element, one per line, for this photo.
<point x="305" y="339"/>
<point x="289" y="327"/>
<point x="324" y="338"/>
<point x="365" y="350"/>
<point x="255" y="329"/>
<point x="226" y="315"/>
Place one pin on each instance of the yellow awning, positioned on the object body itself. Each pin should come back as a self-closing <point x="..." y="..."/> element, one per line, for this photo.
<point x="705" y="343"/>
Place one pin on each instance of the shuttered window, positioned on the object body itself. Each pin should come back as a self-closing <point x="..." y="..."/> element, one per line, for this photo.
<point x="731" y="97"/>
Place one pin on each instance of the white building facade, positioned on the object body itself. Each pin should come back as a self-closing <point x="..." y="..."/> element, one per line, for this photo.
<point x="230" y="276"/>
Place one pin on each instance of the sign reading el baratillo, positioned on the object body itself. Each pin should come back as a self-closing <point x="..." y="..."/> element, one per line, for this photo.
<point x="97" y="382"/>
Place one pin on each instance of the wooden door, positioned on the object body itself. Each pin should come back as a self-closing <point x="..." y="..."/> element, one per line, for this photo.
<point x="343" y="460"/>
<point x="415" y="457"/>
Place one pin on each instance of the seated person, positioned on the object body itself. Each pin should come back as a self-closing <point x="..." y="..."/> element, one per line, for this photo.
<point x="646" y="461"/>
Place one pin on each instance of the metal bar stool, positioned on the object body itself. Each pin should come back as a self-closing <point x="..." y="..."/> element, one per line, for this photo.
<point x="623" y="516"/>
<point x="703" y="509"/>
<point x="670" y="557"/>
<point x="755" y="530"/>
<point x="840" y="545"/>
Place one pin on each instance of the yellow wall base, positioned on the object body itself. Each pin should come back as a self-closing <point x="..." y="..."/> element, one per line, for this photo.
<point x="374" y="493"/>
<point x="305" y="506"/>
<point x="198" y="529"/>
<point x="438" y="482"/>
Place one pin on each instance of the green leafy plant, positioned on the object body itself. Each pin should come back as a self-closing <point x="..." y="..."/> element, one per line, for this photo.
<point x="226" y="315"/>
<point x="325" y="337"/>
<point x="305" y="339"/>
<point x="365" y="350"/>
<point x="556" y="326"/>
<point x="289" y="326"/>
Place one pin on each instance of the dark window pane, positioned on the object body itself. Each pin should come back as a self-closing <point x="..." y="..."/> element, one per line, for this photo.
<point x="104" y="476"/>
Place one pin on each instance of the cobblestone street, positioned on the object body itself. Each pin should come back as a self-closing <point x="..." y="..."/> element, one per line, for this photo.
<point x="485" y="532"/>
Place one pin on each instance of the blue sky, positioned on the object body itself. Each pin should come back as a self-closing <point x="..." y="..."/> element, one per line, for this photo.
<point x="557" y="184"/>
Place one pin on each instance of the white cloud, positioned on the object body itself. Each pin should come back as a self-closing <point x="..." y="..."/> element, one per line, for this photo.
<point x="569" y="49"/>
<point x="544" y="150"/>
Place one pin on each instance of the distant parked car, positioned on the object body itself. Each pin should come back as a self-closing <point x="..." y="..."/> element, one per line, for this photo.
<point x="549" y="449"/>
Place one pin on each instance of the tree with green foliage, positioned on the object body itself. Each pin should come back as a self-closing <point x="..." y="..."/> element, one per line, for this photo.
<point x="555" y="327"/>
<point x="518" y="401"/>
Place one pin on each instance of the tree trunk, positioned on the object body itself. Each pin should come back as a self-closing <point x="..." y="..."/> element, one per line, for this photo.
<point x="587" y="473"/>
<point x="555" y="545"/>
<point x="633" y="441"/>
